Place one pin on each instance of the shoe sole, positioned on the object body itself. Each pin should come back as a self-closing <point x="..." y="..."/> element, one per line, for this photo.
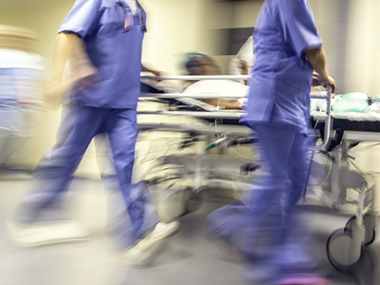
<point x="15" y="241"/>
<point x="155" y="249"/>
<point x="47" y="243"/>
<point x="159" y="247"/>
<point x="170" y="233"/>
<point x="173" y="231"/>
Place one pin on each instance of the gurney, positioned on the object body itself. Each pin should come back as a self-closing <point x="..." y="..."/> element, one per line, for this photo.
<point x="208" y="145"/>
<point x="342" y="132"/>
<point x="359" y="230"/>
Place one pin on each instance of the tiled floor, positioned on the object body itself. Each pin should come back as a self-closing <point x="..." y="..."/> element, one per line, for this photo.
<point x="188" y="259"/>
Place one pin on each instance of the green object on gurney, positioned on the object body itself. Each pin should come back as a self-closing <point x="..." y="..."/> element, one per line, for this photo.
<point x="215" y="143"/>
<point x="351" y="102"/>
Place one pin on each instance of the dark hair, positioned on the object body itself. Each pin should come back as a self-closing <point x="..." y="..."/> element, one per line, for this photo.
<point x="190" y="57"/>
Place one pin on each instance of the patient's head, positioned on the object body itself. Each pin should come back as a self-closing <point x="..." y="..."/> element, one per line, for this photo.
<point x="201" y="64"/>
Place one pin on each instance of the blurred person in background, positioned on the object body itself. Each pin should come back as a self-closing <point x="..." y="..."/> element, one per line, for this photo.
<point x="242" y="62"/>
<point x="22" y="73"/>
<point x="102" y="41"/>
<point x="266" y="227"/>
<point x="201" y="64"/>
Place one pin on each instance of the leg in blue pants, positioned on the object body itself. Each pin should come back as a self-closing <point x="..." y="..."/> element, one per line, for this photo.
<point x="54" y="174"/>
<point x="266" y="227"/>
<point x="272" y="212"/>
<point x="121" y="127"/>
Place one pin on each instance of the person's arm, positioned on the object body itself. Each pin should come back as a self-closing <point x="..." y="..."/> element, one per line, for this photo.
<point x="224" y="104"/>
<point x="317" y="60"/>
<point x="241" y="62"/>
<point x="68" y="47"/>
<point x="82" y="71"/>
<point x="146" y="69"/>
<point x="64" y="44"/>
<point x="55" y="90"/>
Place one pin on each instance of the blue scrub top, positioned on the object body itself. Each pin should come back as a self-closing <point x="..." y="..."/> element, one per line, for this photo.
<point x="281" y="76"/>
<point x="114" y="51"/>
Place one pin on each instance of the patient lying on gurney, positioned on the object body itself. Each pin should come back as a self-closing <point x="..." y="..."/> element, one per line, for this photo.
<point x="200" y="64"/>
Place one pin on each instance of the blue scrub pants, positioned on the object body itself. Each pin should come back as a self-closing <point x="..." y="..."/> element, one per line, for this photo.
<point x="266" y="227"/>
<point x="54" y="173"/>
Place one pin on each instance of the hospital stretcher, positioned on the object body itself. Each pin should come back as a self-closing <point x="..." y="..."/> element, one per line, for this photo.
<point x="359" y="230"/>
<point x="337" y="134"/>
<point x="210" y="132"/>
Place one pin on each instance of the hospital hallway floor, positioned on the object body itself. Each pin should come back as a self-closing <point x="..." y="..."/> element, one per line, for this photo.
<point x="188" y="259"/>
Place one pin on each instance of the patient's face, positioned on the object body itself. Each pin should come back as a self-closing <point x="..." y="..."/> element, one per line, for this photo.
<point x="202" y="65"/>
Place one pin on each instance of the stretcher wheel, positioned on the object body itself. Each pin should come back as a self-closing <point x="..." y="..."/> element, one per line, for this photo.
<point x="338" y="248"/>
<point x="369" y="239"/>
<point x="367" y="242"/>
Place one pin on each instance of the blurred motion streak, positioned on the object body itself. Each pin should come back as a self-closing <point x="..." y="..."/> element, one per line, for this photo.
<point x="22" y="73"/>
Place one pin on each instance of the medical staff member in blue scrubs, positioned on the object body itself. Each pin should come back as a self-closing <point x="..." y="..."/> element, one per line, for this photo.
<point x="106" y="36"/>
<point x="266" y="230"/>
<point x="287" y="50"/>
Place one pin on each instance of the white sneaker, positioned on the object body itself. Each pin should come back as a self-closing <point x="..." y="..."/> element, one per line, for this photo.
<point x="148" y="248"/>
<point x="164" y="230"/>
<point x="38" y="234"/>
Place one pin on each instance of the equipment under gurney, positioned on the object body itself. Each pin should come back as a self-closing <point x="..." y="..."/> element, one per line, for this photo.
<point x="341" y="133"/>
<point x="338" y="135"/>
<point x="208" y="153"/>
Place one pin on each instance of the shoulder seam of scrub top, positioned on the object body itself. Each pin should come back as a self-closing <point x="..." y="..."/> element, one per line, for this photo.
<point x="299" y="43"/>
<point x="82" y="28"/>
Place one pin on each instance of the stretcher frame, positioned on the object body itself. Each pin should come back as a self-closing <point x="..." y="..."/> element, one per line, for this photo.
<point x="360" y="229"/>
<point x="201" y="179"/>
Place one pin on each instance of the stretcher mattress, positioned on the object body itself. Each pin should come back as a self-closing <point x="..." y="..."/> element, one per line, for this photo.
<point x="363" y="122"/>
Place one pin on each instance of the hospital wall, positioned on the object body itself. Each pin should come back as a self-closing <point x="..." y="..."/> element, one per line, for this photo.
<point x="350" y="30"/>
<point x="179" y="26"/>
<point x="363" y="62"/>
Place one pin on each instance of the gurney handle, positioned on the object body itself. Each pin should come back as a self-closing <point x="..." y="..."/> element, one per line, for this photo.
<point x="328" y="121"/>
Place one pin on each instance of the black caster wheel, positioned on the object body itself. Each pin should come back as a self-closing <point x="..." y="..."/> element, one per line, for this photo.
<point x="338" y="251"/>
<point x="368" y="239"/>
<point x="371" y="239"/>
<point x="349" y="224"/>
